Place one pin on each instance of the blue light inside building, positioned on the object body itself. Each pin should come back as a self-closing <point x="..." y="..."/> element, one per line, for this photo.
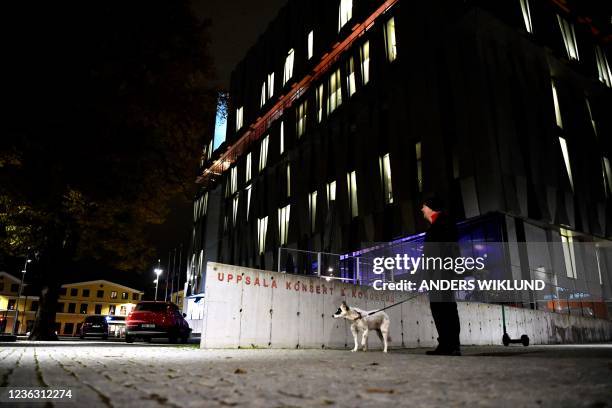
<point x="220" y="121"/>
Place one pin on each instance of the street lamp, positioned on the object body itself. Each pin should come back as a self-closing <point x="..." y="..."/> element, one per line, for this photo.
<point x="23" y="273"/>
<point x="158" y="272"/>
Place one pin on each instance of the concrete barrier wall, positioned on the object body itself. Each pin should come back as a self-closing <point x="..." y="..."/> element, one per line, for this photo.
<point x="250" y="308"/>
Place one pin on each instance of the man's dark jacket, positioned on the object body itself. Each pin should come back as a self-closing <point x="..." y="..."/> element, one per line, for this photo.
<point x="441" y="241"/>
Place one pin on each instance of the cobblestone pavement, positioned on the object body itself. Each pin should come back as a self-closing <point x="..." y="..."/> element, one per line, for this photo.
<point x="139" y="375"/>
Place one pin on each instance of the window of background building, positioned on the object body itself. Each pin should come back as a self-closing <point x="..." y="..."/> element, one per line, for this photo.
<point x="59" y="308"/>
<point x="74" y="292"/>
<point x="351" y="86"/>
<point x="607" y="173"/>
<point x="263" y="153"/>
<point x="262" y="229"/>
<point x="233" y="179"/>
<point x="34" y="306"/>
<point x="364" y="55"/>
<point x="569" y="38"/>
<point x="419" y="166"/>
<point x="558" y="116"/>
<point x="351" y="180"/>
<point x="247" y="174"/>
<point x="335" y="92"/>
<point x="71" y="307"/>
<point x="310" y="44"/>
<point x="63" y="291"/>
<point x="593" y="124"/>
<point x="262" y="99"/>
<point x="288" y="179"/>
<point x="288" y="71"/>
<point x="568" y="254"/>
<point x="15" y="287"/>
<point x="68" y="328"/>
<point x="124" y="295"/>
<point x="1" y="286"/>
<point x="123" y="311"/>
<point x="83" y="308"/>
<point x="526" y="15"/>
<point x="603" y="67"/>
<point x="113" y="295"/>
<point x="100" y="294"/>
<point x="566" y="160"/>
<point x="98" y="309"/>
<point x="112" y="309"/>
<point x="345" y="13"/>
<point x="312" y="210"/>
<point x="384" y="164"/>
<point x="11" y="304"/>
<point x="390" y="40"/>
<point x="320" y="96"/>
<point x="283" y="224"/>
<point x="331" y="192"/>
<point x="301" y="116"/>
<point x="234" y="210"/>
<point x="239" y="118"/>
<point x="248" y="206"/>
<point x="282" y="137"/>
<point x="135" y="296"/>
<point x="270" y="84"/>
<point x="85" y="292"/>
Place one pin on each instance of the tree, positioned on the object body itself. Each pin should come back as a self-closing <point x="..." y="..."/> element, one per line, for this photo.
<point x="109" y="105"/>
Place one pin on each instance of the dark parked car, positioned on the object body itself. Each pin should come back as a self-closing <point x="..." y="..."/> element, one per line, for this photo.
<point x="94" y="326"/>
<point x="156" y="319"/>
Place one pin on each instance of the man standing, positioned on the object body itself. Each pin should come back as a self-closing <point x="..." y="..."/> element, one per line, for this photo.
<point x="441" y="241"/>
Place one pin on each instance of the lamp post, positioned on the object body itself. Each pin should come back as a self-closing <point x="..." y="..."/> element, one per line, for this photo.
<point x="23" y="272"/>
<point x="158" y="272"/>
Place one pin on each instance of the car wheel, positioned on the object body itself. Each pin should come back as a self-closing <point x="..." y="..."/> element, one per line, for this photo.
<point x="172" y="339"/>
<point x="184" y="339"/>
<point x="129" y="339"/>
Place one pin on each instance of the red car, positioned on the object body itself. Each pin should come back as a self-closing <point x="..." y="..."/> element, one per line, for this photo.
<point x="156" y="319"/>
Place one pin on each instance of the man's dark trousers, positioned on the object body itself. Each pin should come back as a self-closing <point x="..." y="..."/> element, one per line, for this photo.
<point x="446" y="318"/>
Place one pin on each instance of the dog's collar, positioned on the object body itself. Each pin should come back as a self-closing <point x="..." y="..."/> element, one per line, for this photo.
<point x="359" y="317"/>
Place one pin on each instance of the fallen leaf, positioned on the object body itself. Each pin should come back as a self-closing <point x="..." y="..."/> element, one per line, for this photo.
<point x="240" y="371"/>
<point x="379" y="391"/>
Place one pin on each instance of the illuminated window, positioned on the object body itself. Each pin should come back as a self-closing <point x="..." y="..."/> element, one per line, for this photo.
<point x="301" y="119"/>
<point x="598" y="264"/>
<point x="270" y="84"/>
<point x="346" y="13"/>
<point x="239" y="113"/>
<point x="351" y="180"/>
<point x="526" y="15"/>
<point x="113" y="295"/>
<point x="235" y="209"/>
<point x="262" y="100"/>
<point x="288" y="180"/>
<point x="288" y="71"/>
<point x="558" y="117"/>
<point x="384" y="164"/>
<point x="335" y="92"/>
<point x="310" y="44"/>
<point x="603" y="68"/>
<point x="262" y="229"/>
<point x="234" y="180"/>
<point x="566" y="159"/>
<point x="331" y="192"/>
<point x="568" y="254"/>
<point x="283" y="224"/>
<point x="263" y="153"/>
<point x="588" y="105"/>
<point x="248" y="168"/>
<point x="312" y="210"/>
<point x="569" y="38"/>
<point x="320" y="98"/>
<point x="282" y="137"/>
<point x="350" y="77"/>
<point x="199" y="208"/>
<point x="364" y="54"/>
<point x="419" y="166"/>
<point x="248" y="206"/>
<point x="607" y="173"/>
<point x="390" y="40"/>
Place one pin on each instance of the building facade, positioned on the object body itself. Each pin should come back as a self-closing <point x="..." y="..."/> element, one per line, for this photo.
<point x="76" y="301"/>
<point x="345" y="114"/>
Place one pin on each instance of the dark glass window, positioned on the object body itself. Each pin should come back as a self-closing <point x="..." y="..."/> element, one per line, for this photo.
<point x="60" y="307"/>
<point x="11" y="304"/>
<point x="71" y="307"/>
<point x="68" y="328"/>
<point x="34" y="306"/>
<point x="83" y="308"/>
<point x="74" y="292"/>
<point x="85" y="292"/>
<point x="135" y="296"/>
<point x="63" y="292"/>
<point x="100" y="294"/>
<point x="98" y="309"/>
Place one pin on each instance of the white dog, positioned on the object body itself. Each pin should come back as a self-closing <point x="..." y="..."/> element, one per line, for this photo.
<point x="378" y="321"/>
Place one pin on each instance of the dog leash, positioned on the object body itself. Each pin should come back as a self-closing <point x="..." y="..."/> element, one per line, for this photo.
<point x="387" y="307"/>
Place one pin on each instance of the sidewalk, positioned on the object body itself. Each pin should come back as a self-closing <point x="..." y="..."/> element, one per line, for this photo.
<point x="115" y="375"/>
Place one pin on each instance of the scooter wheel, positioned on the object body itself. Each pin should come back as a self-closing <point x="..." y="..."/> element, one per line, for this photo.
<point x="506" y="339"/>
<point x="525" y="340"/>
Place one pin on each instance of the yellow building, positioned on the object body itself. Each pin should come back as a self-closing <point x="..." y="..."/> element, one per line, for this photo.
<point x="76" y="301"/>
